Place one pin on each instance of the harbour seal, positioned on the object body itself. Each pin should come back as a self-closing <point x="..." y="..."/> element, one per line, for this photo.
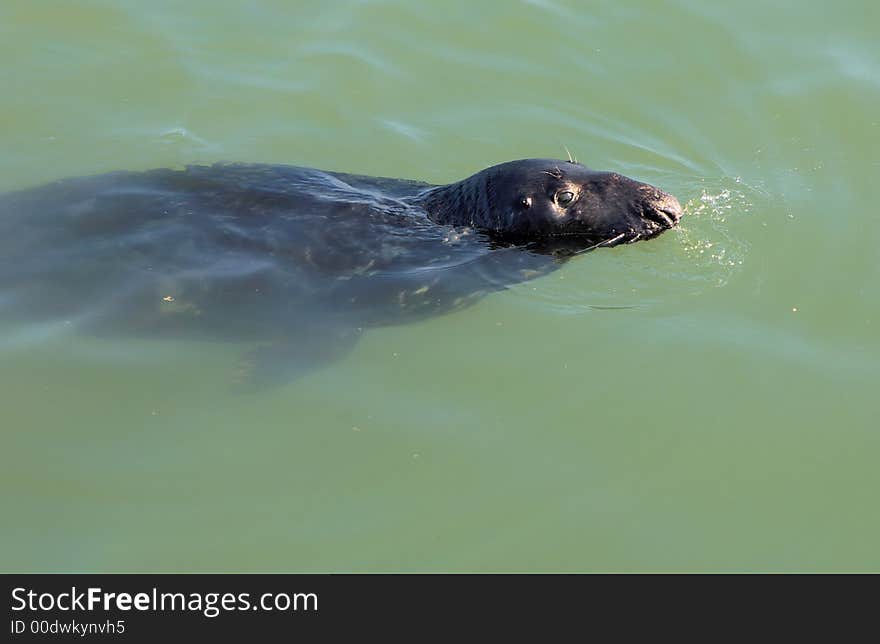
<point x="298" y="259"/>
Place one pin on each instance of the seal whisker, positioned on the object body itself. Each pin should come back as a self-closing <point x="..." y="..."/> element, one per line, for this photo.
<point x="600" y="244"/>
<point x="568" y="152"/>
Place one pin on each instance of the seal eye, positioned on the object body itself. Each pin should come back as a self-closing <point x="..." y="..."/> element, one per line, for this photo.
<point x="526" y="202"/>
<point x="564" y="197"/>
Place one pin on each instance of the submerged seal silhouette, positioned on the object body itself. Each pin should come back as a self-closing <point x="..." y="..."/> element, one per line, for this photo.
<point x="299" y="259"/>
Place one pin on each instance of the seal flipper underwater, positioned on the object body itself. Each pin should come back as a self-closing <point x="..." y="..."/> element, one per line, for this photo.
<point x="286" y="360"/>
<point x="270" y="254"/>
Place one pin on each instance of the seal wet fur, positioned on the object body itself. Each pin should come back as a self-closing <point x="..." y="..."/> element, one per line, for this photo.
<point x="297" y="259"/>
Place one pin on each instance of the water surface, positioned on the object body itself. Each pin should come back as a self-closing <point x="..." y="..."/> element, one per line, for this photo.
<point x="704" y="401"/>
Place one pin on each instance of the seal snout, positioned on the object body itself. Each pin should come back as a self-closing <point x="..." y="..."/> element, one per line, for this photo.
<point x="663" y="210"/>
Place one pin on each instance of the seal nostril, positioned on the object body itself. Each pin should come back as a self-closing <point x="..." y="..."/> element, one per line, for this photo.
<point x="673" y="209"/>
<point x="658" y="216"/>
<point x="665" y="211"/>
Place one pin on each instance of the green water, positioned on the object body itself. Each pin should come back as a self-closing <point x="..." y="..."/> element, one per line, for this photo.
<point x="704" y="401"/>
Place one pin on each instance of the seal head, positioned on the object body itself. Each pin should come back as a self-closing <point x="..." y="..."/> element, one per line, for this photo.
<point x="553" y="202"/>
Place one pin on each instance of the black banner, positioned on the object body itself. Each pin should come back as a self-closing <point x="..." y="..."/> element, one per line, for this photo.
<point x="410" y="607"/>
<point x="117" y="607"/>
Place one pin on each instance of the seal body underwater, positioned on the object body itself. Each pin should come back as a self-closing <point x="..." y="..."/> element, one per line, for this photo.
<point x="298" y="259"/>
